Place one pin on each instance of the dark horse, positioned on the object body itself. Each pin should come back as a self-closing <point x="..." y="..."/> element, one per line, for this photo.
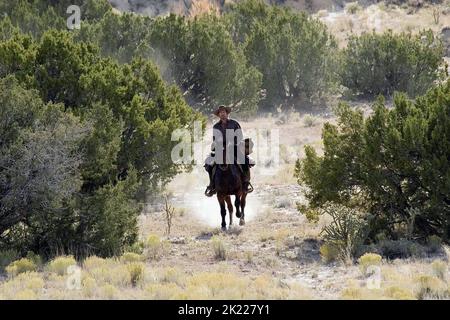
<point x="228" y="182"/>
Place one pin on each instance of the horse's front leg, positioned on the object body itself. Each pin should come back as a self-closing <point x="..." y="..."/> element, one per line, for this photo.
<point x="243" y="202"/>
<point x="237" y="204"/>
<point x="223" y="211"/>
<point x="230" y="208"/>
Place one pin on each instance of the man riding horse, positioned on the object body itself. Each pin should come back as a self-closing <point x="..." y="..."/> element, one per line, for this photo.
<point x="225" y="151"/>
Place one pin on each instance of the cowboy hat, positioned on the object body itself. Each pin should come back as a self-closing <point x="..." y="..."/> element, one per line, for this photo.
<point x="221" y="107"/>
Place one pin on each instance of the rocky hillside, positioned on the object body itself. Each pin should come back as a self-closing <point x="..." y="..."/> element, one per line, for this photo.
<point x="193" y="7"/>
<point x="162" y="7"/>
<point x="343" y="17"/>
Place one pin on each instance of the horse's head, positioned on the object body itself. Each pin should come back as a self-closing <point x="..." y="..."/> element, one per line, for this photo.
<point x="228" y="179"/>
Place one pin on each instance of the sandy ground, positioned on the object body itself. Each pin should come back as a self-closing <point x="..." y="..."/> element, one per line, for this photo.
<point x="379" y="17"/>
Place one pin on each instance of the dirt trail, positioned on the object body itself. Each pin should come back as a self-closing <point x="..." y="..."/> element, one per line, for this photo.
<point x="277" y="240"/>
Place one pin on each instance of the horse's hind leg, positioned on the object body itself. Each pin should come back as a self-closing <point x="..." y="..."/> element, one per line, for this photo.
<point x="237" y="204"/>
<point x="243" y="202"/>
<point x="230" y="208"/>
<point x="223" y="211"/>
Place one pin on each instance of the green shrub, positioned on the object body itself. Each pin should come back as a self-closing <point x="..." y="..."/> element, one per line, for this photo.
<point x="367" y="260"/>
<point x="37" y="260"/>
<point x="104" y="129"/>
<point x="61" y="264"/>
<point x="418" y="250"/>
<point x="329" y="253"/>
<point x="367" y="248"/>
<point x="294" y="52"/>
<point x="20" y="266"/>
<point x="6" y="257"/>
<point x="205" y="62"/>
<point x="128" y="257"/>
<point x="136" y="271"/>
<point x="383" y="63"/>
<point x="429" y="287"/>
<point x="346" y="232"/>
<point x="309" y="121"/>
<point x="220" y="252"/>
<point x="352" y="7"/>
<point x="386" y="164"/>
<point x="35" y="129"/>
<point x="137" y="247"/>
<point x="113" y="216"/>
<point x="153" y="240"/>
<point x="155" y="247"/>
<point x="93" y="262"/>
<point x="395" y="249"/>
<point x="172" y="275"/>
<point x="434" y="243"/>
<point x="89" y="285"/>
<point x="311" y="214"/>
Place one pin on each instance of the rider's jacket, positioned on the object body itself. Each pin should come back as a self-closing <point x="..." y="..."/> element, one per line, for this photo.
<point x="226" y="139"/>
